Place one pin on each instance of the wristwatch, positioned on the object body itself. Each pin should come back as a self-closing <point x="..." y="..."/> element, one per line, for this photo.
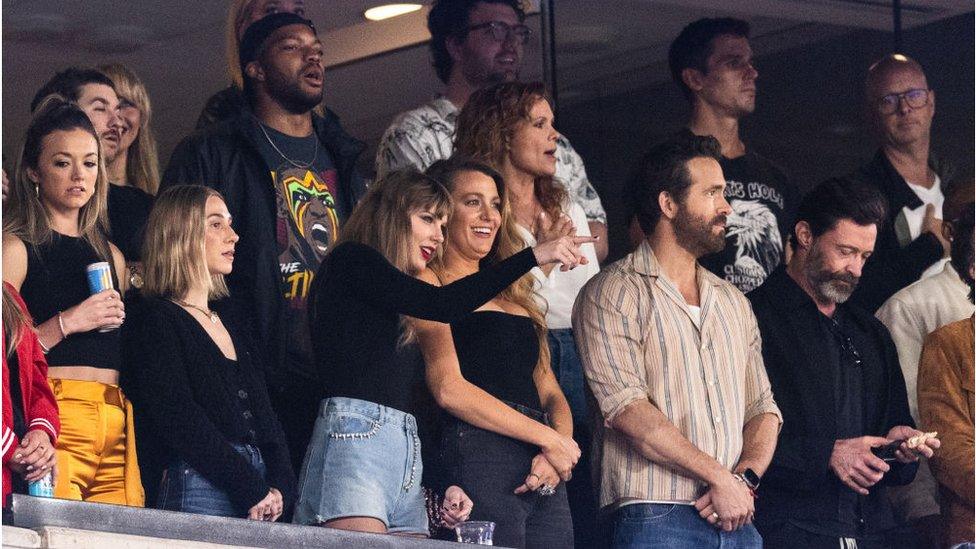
<point x="749" y="478"/>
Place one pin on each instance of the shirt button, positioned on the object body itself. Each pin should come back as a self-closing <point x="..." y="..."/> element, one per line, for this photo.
<point x="718" y="418"/>
<point x="247" y="414"/>
<point x="242" y="393"/>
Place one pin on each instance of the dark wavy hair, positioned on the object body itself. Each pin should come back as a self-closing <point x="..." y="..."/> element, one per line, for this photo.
<point x="450" y="19"/>
<point x="68" y="83"/>
<point x="691" y="48"/>
<point x="840" y="198"/>
<point x="487" y="123"/>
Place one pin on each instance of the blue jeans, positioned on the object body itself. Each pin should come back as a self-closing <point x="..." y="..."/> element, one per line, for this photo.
<point x="569" y="372"/>
<point x="363" y="461"/>
<point x="184" y="489"/>
<point x="667" y="526"/>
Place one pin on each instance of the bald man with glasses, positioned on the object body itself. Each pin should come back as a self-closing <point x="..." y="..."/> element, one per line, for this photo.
<point x="900" y="106"/>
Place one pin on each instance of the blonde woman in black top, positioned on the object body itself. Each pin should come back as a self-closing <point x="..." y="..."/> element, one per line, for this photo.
<point x="210" y="440"/>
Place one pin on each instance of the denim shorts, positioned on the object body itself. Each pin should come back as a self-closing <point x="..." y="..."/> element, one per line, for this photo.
<point x="363" y="461"/>
<point x="184" y="489"/>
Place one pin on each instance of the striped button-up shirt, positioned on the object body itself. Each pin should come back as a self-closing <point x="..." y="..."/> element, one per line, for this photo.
<point x="638" y="341"/>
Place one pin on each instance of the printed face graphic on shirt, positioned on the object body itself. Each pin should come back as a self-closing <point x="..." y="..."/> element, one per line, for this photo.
<point x="312" y="209"/>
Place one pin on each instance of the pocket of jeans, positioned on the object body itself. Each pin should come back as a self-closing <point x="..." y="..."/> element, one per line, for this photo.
<point x="644" y="512"/>
<point x="352" y="426"/>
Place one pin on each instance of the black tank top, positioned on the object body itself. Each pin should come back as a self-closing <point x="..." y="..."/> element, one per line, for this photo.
<point x="56" y="281"/>
<point x="498" y="352"/>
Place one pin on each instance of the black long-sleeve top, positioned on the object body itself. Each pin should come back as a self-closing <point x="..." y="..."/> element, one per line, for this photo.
<point x="192" y="403"/>
<point x="358" y="298"/>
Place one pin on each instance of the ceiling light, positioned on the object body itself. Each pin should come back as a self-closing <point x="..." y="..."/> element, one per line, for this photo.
<point x="387" y="11"/>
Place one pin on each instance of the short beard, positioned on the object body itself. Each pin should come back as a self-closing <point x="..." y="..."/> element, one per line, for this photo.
<point x="829" y="287"/>
<point x="289" y="95"/>
<point x="694" y="233"/>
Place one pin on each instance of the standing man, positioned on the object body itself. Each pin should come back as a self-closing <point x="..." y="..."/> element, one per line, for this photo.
<point x="835" y="373"/>
<point x="474" y="44"/>
<point x="711" y="62"/>
<point x="288" y="179"/>
<point x="900" y="106"/>
<point x="672" y="355"/>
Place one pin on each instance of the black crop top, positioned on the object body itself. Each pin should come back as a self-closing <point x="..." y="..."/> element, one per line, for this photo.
<point x="357" y="299"/>
<point x="56" y="281"/>
<point x="498" y="352"/>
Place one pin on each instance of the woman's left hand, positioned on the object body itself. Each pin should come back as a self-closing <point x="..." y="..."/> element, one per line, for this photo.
<point x="36" y="456"/>
<point x="456" y="507"/>
<point x="542" y="473"/>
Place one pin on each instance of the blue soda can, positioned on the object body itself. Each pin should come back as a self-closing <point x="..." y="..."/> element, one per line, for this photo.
<point x="99" y="277"/>
<point x="43" y="488"/>
<point x="99" y="280"/>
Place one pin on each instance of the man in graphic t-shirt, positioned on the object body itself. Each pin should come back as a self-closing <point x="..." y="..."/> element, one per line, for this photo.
<point x="711" y="62"/>
<point x="289" y="181"/>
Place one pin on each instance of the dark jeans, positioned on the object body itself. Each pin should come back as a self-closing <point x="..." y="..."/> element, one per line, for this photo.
<point x="184" y="489"/>
<point x="580" y="489"/>
<point x="489" y="467"/>
<point x="670" y="526"/>
<point x="787" y="535"/>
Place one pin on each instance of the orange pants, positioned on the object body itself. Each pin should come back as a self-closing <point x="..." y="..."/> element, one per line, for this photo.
<point x="96" y="447"/>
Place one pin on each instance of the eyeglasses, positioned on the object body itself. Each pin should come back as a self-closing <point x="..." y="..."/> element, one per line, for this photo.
<point x="916" y="99"/>
<point x="846" y="343"/>
<point x="500" y="32"/>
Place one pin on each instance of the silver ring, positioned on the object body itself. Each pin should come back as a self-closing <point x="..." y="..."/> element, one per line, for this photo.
<point x="715" y="515"/>
<point x="546" y="490"/>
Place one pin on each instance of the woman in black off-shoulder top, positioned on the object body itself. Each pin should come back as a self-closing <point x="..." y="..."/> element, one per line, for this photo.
<point x="362" y="469"/>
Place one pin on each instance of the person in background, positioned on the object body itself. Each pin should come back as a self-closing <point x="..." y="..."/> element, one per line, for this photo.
<point x="900" y="107"/>
<point x="672" y="355"/>
<point x="834" y="370"/>
<point x="363" y="467"/>
<point x="510" y="419"/>
<point x="204" y="415"/>
<point x="134" y="172"/>
<point x="476" y="44"/>
<point x="30" y="413"/>
<point x="510" y="127"/>
<point x="288" y="177"/>
<point x="912" y="314"/>
<point x="231" y="102"/>
<point x="53" y="229"/>
<point x="711" y="61"/>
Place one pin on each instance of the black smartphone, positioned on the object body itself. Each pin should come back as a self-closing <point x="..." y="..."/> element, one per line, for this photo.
<point x="887" y="452"/>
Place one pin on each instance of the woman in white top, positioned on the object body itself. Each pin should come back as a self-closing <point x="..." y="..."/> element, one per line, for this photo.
<point x="510" y="126"/>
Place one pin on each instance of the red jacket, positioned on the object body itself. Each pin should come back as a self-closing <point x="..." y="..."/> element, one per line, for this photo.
<point x="40" y="408"/>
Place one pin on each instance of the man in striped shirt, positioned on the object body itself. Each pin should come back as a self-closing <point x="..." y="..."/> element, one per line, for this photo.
<point x="672" y="355"/>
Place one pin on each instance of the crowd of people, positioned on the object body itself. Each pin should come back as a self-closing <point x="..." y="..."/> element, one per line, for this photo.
<point x="285" y="340"/>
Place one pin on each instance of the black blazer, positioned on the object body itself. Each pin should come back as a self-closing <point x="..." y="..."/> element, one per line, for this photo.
<point x="799" y="483"/>
<point x="184" y="401"/>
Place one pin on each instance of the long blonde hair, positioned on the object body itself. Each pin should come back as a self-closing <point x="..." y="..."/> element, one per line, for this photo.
<point x="142" y="165"/>
<point x="25" y="216"/>
<point x="508" y="242"/>
<point x="14" y="322"/>
<point x="174" y="248"/>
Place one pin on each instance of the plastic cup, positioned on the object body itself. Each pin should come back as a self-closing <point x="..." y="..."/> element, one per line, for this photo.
<point x="478" y="532"/>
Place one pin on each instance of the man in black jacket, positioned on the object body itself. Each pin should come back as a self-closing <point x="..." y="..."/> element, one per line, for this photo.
<point x="900" y="106"/>
<point x="835" y="373"/>
<point x="288" y="178"/>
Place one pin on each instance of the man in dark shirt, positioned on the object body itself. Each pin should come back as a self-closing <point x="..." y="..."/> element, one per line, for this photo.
<point x="900" y="106"/>
<point x="835" y="373"/>
<point x="288" y="179"/>
<point x="711" y="62"/>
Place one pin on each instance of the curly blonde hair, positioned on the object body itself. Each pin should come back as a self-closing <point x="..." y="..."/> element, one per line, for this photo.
<point x="489" y="121"/>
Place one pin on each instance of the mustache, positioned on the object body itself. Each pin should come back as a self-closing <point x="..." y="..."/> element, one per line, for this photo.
<point x="847" y="278"/>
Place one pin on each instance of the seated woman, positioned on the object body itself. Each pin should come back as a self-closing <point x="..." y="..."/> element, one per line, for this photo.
<point x="490" y="371"/>
<point x="30" y="413"/>
<point x="54" y="228"/>
<point x="210" y="438"/>
<point x="363" y="467"/>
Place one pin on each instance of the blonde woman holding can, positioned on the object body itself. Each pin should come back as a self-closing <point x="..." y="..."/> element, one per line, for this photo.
<point x="54" y="228"/>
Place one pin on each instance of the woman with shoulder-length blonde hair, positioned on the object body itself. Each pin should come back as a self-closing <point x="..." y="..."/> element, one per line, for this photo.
<point x="510" y="440"/>
<point x="510" y="126"/>
<point x="363" y="466"/>
<point x="230" y="101"/>
<point x="210" y="441"/>
<point x="53" y="234"/>
<point x="134" y="172"/>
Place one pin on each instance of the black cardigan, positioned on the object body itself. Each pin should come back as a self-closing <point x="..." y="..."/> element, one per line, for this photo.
<point x="185" y="404"/>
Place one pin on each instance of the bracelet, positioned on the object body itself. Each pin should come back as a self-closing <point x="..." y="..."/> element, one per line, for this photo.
<point x="64" y="335"/>
<point x="44" y="348"/>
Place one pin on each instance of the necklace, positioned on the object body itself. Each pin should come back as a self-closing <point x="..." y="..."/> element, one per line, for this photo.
<point x="299" y="165"/>
<point x="212" y="315"/>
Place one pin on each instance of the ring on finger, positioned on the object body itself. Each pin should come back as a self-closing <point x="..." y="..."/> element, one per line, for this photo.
<point x="546" y="490"/>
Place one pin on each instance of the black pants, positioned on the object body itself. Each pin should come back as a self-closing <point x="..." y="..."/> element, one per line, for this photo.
<point x="489" y="467"/>
<point x="788" y="536"/>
